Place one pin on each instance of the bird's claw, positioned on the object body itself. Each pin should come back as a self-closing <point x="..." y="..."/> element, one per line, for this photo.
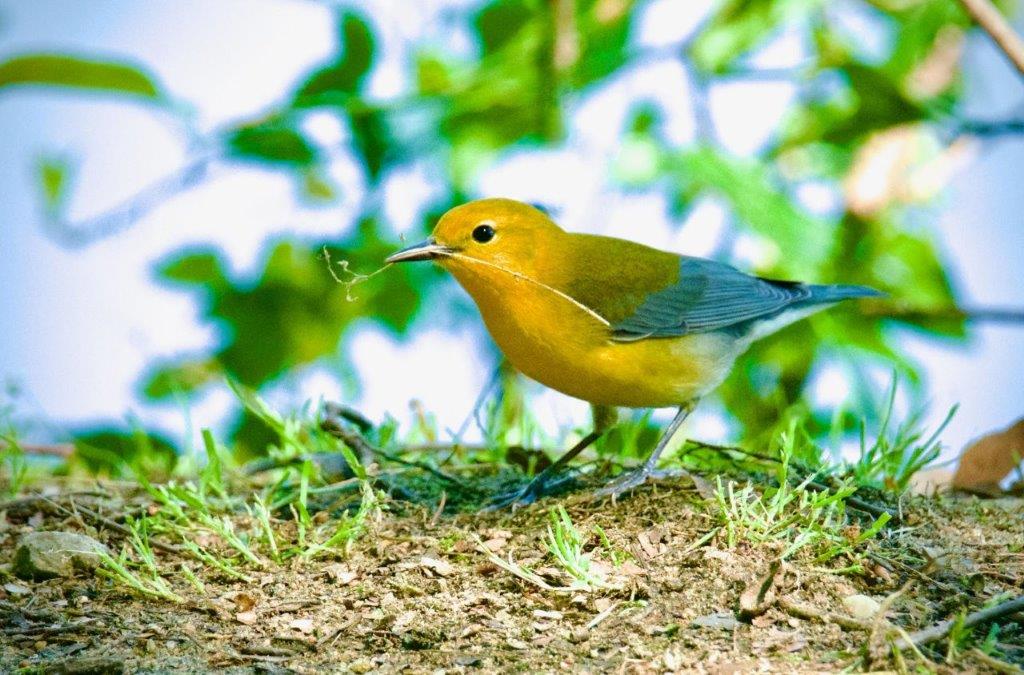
<point x="630" y="480"/>
<point x="513" y="500"/>
<point x="542" y="486"/>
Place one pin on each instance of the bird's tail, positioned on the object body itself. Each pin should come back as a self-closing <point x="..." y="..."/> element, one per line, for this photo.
<point x="829" y="294"/>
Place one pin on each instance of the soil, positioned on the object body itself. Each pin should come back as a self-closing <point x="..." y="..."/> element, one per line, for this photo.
<point x="417" y="594"/>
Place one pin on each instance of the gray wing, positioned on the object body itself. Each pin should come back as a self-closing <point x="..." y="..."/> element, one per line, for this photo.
<point x="712" y="296"/>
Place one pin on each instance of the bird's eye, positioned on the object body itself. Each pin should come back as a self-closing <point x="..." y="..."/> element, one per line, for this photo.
<point x="483" y="233"/>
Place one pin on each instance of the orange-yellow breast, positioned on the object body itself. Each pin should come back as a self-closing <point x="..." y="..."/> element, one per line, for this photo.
<point x="555" y="340"/>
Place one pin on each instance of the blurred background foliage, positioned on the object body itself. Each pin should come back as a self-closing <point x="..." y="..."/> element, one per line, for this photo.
<point x="884" y="130"/>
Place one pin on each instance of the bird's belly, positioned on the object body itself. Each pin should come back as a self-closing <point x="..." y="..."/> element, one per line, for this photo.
<point x="570" y="351"/>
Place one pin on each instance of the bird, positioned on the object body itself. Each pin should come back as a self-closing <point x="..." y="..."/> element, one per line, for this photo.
<point x="609" y="321"/>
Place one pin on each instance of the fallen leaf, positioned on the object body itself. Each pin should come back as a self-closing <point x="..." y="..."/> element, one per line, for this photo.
<point x="987" y="461"/>
<point x="243" y="601"/>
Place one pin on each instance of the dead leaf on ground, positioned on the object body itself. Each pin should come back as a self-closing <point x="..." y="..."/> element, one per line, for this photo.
<point x="987" y="461"/>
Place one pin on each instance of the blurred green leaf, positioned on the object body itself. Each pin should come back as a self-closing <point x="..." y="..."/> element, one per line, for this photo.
<point x="197" y="269"/>
<point x="54" y="176"/>
<point x="758" y="199"/>
<point x="273" y="141"/>
<point x="74" y="72"/>
<point x="603" y="34"/>
<point x="118" y="452"/>
<point x="181" y="378"/>
<point x="294" y="313"/>
<point x="331" y="84"/>
<point x="741" y="25"/>
<point x="498" y="22"/>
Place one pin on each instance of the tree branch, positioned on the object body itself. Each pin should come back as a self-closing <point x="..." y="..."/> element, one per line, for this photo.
<point x="131" y="210"/>
<point x="985" y="314"/>
<point x="999" y="29"/>
<point x="944" y="628"/>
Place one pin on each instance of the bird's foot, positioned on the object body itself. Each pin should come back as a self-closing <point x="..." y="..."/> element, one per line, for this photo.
<point x="630" y="480"/>
<point x="539" y="487"/>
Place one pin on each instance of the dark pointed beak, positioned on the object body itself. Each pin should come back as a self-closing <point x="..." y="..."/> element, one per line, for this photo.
<point x="425" y="250"/>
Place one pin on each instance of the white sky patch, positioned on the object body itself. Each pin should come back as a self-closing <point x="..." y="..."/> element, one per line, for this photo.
<point x="642" y="217"/>
<point x="702" y="232"/>
<point x="550" y="177"/>
<point x="831" y="387"/>
<point x="600" y="116"/>
<point x="866" y="30"/>
<point x="787" y="49"/>
<point x="820" y="198"/>
<point x="669" y="22"/>
<point x="731" y="103"/>
<point x="409" y="191"/>
<point x="324" y="128"/>
<point x="751" y="251"/>
<point x="444" y="371"/>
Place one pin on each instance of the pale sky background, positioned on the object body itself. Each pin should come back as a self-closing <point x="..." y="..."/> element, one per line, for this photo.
<point x="79" y="326"/>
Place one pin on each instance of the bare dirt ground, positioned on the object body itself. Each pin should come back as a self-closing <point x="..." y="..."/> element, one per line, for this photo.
<point x="417" y="593"/>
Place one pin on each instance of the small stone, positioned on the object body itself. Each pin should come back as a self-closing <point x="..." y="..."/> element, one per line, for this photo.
<point x="248" y="618"/>
<point x="304" y="626"/>
<point x="360" y="666"/>
<point x="17" y="589"/>
<point x="46" y="555"/>
<point x="861" y="607"/>
<point x="718" y="620"/>
<point x="441" y="568"/>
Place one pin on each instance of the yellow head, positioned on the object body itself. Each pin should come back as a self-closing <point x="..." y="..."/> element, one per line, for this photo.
<point x="487" y="233"/>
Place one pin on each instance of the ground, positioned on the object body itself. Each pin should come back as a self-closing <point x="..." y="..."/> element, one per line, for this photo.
<point x="418" y="592"/>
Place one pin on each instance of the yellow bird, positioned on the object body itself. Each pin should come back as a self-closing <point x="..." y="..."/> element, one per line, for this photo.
<point x="609" y="321"/>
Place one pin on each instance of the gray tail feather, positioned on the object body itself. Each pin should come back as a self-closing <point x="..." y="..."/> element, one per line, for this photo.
<point x="824" y="294"/>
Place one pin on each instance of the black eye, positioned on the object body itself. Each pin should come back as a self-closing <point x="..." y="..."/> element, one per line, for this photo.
<point x="483" y="233"/>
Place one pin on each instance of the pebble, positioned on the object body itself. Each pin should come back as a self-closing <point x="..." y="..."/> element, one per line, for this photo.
<point x="861" y="606"/>
<point x="46" y="555"/>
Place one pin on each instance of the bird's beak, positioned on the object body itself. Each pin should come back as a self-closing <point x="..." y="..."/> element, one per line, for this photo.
<point x="425" y="250"/>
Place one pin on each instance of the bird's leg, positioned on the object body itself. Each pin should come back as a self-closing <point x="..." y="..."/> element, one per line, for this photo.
<point x="604" y="418"/>
<point x="637" y="477"/>
<point x="537" y="487"/>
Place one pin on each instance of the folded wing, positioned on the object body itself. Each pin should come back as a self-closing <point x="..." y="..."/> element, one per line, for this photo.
<point x="712" y="296"/>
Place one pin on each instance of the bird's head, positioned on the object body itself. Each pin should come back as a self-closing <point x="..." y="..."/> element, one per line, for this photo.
<point x="496" y="232"/>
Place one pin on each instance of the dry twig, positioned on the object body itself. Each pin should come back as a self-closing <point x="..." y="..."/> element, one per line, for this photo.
<point x="999" y="29"/>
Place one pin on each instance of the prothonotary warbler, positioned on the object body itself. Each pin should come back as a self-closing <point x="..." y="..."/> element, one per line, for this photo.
<point x="606" y="320"/>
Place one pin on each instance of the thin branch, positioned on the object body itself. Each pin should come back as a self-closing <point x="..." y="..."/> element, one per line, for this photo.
<point x="999" y="29"/>
<point x="64" y="450"/>
<point x="131" y="210"/>
<point x="986" y="314"/>
<point x="989" y="129"/>
<point x="944" y="628"/>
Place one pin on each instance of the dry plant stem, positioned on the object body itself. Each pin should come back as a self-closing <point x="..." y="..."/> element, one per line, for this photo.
<point x="943" y="629"/>
<point x="804" y="612"/>
<point x="364" y="448"/>
<point x="63" y="450"/>
<point x="998" y="28"/>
